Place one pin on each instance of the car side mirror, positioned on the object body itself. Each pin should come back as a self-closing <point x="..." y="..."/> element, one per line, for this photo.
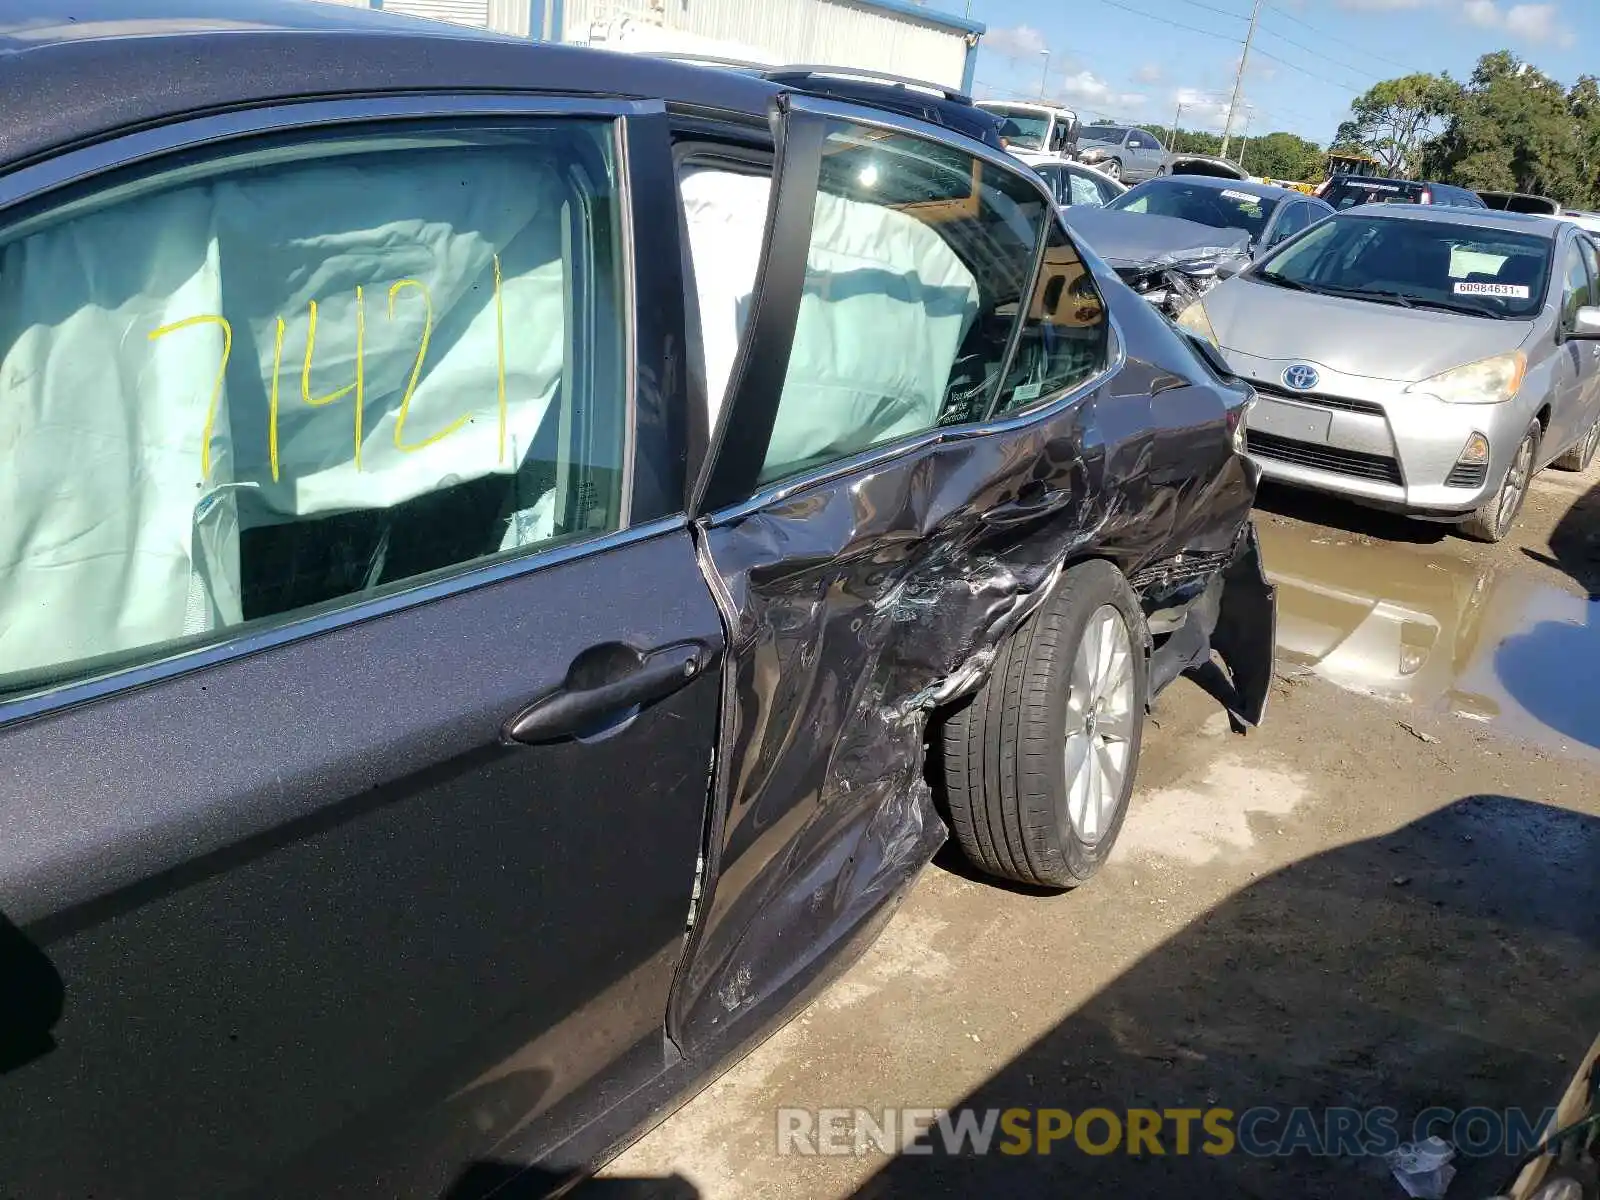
<point x="1586" y="325"/>
<point x="1230" y="267"/>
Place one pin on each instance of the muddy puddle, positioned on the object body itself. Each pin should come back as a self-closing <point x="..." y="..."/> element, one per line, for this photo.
<point x="1416" y="624"/>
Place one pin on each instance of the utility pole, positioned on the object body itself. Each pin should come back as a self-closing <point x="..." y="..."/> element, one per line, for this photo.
<point x="1172" y="142"/>
<point x="1244" y="146"/>
<point x="1238" y="80"/>
<point x="1044" y="75"/>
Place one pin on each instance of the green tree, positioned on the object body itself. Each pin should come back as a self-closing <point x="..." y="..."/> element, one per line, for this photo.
<point x="1584" y="101"/>
<point x="1395" y="118"/>
<point x="1517" y="129"/>
<point x="1283" y="156"/>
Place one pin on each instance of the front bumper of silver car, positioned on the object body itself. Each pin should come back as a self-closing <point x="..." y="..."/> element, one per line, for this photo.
<point x="1370" y="440"/>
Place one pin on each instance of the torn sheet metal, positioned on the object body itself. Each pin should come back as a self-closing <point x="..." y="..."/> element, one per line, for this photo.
<point x="1169" y="261"/>
<point x="858" y="604"/>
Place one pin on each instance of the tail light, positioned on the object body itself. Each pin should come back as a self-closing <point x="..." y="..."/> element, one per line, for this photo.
<point x="1427" y="196"/>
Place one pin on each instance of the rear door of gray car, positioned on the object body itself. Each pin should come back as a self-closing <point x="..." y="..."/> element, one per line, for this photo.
<point x="360" y="680"/>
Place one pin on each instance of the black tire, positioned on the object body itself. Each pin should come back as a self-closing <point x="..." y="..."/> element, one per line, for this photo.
<point x="1004" y="751"/>
<point x="1111" y="167"/>
<point x="1498" y="514"/>
<point x="1578" y="457"/>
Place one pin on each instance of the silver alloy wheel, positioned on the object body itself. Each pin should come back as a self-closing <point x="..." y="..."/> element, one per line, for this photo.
<point x="1516" y="485"/>
<point x="1100" y="723"/>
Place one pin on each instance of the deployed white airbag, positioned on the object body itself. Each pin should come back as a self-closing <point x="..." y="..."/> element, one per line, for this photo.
<point x="125" y="446"/>
<point x="886" y="306"/>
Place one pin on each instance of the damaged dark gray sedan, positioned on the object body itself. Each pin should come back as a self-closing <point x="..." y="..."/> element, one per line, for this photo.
<point x="513" y="559"/>
<point x="1172" y="239"/>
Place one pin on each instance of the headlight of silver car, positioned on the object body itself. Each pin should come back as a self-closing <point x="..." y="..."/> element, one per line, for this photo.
<point x="1194" y="320"/>
<point x="1487" y="381"/>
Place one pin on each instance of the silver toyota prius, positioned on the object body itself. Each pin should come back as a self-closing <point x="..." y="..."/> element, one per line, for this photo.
<point x="1426" y="360"/>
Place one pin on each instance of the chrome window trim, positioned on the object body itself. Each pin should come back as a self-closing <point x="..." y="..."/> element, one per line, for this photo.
<point x="295" y="629"/>
<point x="128" y="149"/>
<point x="630" y="310"/>
<point x="72" y="167"/>
<point x="1044" y="409"/>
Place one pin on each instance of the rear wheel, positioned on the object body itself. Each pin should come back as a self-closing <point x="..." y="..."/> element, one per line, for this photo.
<point x="1580" y="456"/>
<point x="1499" y="513"/>
<point x="1039" y="765"/>
<point x="1112" y="168"/>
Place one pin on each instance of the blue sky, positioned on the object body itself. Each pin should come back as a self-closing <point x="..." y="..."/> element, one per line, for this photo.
<point x="1135" y="59"/>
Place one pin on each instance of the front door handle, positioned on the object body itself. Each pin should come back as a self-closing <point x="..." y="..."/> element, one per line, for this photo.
<point x="606" y="686"/>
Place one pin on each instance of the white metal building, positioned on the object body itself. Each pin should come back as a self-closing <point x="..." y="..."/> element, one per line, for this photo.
<point x="901" y="37"/>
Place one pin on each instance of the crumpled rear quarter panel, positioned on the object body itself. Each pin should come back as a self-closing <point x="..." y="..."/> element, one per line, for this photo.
<point x="857" y="603"/>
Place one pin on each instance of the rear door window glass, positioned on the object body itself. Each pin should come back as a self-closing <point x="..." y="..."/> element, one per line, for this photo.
<point x="304" y="374"/>
<point x="1085" y="191"/>
<point x="919" y="258"/>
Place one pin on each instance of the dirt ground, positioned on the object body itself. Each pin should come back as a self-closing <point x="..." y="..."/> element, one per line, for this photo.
<point x="1388" y="895"/>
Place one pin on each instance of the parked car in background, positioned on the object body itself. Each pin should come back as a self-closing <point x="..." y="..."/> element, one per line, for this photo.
<point x="1073" y="183"/>
<point x="491" y="532"/>
<point x="1521" y="202"/>
<point x="1349" y="191"/>
<point x="1201" y="164"/>
<point x="1425" y="360"/>
<point x="1169" y="238"/>
<point x="1035" y="132"/>
<point x="1131" y="155"/>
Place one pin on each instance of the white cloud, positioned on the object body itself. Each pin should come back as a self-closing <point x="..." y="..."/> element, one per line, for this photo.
<point x="1384" y="5"/>
<point x="1531" y="22"/>
<point x="1087" y="88"/>
<point x="1150" y="73"/>
<point x="1536" y="22"/>
<point x="1018" y="41"/>
<point x="1207" y="110"/>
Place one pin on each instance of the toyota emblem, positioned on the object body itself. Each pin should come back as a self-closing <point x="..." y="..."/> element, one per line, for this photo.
<point x="1302" y="377"/>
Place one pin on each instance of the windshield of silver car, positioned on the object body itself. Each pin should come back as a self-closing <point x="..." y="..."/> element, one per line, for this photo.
<point x="1219" y="207"/>
<point x="1497" y="273"/>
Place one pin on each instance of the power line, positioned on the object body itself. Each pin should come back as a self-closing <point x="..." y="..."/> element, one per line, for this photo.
<point x="1223" y="12"/>
<point x="1227" y="37"/>
<point x="1333" y="38"/>
<point x="1297" y="67"/>
<point x="1322" y="54"/>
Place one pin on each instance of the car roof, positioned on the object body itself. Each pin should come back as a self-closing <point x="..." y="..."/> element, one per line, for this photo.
<point x="1422" y="183"/>
<point x="1448" y="214"/>
<point x="1267" y="191"/>
<point x="1022" y="106"/>
<point x="75" y="70"/>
